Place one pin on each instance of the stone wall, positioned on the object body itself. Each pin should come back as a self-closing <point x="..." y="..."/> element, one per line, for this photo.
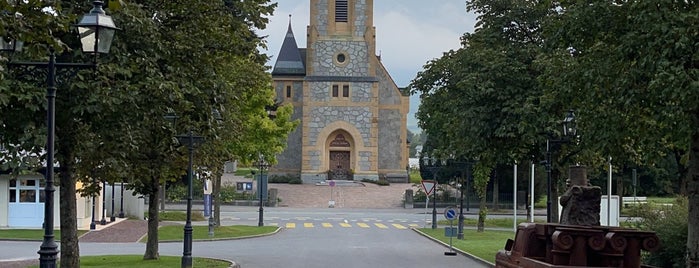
<point x="390" y="150"/>
<point x="323" y="62"/>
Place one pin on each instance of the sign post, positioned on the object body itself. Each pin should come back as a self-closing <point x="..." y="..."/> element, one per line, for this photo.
<point x="428" y="186"/>
<point x="451" y="232"/>
<point x="207" y="205"/>
<point x="331" y="203"/>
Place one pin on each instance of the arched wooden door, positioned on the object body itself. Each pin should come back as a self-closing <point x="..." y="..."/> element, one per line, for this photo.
<point x="340" y="158"/>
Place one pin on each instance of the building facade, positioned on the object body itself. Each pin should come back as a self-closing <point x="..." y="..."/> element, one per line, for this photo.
<point x="352" y="115"/>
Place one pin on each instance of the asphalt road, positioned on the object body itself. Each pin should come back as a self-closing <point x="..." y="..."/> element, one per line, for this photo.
<point x="320" y="238"/>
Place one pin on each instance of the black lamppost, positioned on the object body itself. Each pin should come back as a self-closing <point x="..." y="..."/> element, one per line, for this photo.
<point x="92" y="223"/>
<point x="96" y="31"/>
<point x="431" y="165"/>
<point x="104" y="204"/>
<point x="121" y="195"/>
<point x="462" y="186"/>
<point x="569" y="130"/>
<point x="111" y="217"/>
<point x="262" y="165"/>
<point x="191" y="140"/>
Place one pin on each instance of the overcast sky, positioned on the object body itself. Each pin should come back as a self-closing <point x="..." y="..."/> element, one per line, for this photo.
<point x="409" y="33"/>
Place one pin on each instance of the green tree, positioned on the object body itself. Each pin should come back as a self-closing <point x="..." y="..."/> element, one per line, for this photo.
<point x="191" y="58"/>
<point x="482" y="101"/>
<point x="630" y="68"/>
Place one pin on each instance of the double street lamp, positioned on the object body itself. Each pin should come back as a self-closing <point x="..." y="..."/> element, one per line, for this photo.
<point x="430" y="165"/>
<point x="96" y="31"/>
<point x="569" y="131"/>
<point x="191" y="141"/>
<point x="262" y="165"/>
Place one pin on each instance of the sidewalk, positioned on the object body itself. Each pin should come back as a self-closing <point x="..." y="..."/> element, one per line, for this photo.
<point x="120" y="231"/>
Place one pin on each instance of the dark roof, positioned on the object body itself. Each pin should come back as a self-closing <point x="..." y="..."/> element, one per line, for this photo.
<point x="289" y="60"/>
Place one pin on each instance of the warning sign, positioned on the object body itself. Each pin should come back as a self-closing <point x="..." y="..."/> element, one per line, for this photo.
<point x="428" y="186"/>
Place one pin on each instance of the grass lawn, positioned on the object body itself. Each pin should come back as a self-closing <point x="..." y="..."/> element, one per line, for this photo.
<point x="483" y="245"/>
<point x="244" y="171"/>
<point x="180" y="216"/>
<point x="490" y="222"/>
<point x="31" y="234"/>
<point x="175" y="233"/>
<point x="137" y="261"/>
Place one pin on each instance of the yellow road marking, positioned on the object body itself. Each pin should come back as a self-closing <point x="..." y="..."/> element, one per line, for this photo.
<point x="398" y="226"/>
<point x="363" y="225"/>
<point x="272" y="224"/>
<point x="290" y="225"/>
<point x="346" y="225"/>
<point x="414" y="225"/>
<point x="327" y="225"/>
<point x="380" y="225"/>
<point x="308" y="224"/>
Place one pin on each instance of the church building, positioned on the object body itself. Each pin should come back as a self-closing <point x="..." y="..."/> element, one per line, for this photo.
<point x="352" y="115"/>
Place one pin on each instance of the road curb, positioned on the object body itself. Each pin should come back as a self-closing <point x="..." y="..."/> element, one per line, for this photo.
<point x="475" y="258"/>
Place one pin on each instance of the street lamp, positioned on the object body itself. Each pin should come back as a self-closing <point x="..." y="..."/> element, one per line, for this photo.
<point x="92" y="223"/>
<point x="569" y="131"/>
<point x="465" y="166"/>
<point x="104" y="203"/>
<point x="262" y="165"/>
<point x="112" y="218"/>
<point x="96" y="31"/>
<point x="191" y="140"/>
<point x="431" y="165"/>
<point x="121" y="196"/>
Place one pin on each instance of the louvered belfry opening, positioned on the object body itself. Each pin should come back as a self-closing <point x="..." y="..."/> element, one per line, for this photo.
<point x="341" y="11"/>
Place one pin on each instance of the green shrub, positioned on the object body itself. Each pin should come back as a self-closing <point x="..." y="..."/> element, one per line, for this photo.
<point x="415" y="176"/>
<point x="176" y="193"/>
<point x="670" y="223"/>
<point x="229" y="193"/>
<point x="383" y="183"/>
<point x="380" y="181"/>
<point x="284" y="179"/>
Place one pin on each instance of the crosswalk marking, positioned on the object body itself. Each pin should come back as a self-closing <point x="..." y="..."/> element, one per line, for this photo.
<point x="399" y="226"/>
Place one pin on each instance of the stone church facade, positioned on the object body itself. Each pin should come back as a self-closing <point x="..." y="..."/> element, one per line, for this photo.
<point x="352" y="115"/>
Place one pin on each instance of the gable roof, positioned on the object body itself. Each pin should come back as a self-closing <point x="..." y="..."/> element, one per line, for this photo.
<point x="289" y="60"/>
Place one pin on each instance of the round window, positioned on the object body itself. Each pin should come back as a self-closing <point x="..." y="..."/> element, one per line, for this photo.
<point x="341" y="58"/>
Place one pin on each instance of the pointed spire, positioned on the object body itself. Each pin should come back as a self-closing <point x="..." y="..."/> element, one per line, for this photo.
<point x="289" y="61"/>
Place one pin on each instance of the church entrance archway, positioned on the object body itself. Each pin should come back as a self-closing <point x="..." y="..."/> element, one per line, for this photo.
<point x="340" y="148"/>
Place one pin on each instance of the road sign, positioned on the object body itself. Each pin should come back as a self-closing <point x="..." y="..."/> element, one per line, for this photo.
<point x="428" y="186"/>
<point x="332" y="183"/>
<point x="450" y="231"/>
<point x="450" y="213"/>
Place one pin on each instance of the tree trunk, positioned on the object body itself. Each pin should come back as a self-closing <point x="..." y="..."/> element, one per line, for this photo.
<point x="682" y="169"/>
<point x="153" y="219"/>
<point x="70" y="251"/>
<point x="496" y="191"/>
<point x="483" y="211"/>
<point x="693" y="196"/>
